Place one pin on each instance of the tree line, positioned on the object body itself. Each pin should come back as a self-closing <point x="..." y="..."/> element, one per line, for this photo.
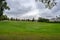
<point x="40" y="19"/>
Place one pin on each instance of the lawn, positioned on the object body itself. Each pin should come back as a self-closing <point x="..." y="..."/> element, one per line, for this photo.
<point x="20" y="30"/>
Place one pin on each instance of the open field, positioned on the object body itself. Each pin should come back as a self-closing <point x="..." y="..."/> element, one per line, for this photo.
<point x="18" y="30"/>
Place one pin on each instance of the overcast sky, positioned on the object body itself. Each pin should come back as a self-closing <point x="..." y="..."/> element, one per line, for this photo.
<point x="30" y="9"/>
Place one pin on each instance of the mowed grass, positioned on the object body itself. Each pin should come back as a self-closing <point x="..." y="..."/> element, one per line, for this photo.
<point x="20" y="30"/>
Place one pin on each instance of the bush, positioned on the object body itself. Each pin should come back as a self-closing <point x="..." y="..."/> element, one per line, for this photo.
<point x="33" y="19"/>
<point x="42" y="20"/>
<point x="3" y="17"/>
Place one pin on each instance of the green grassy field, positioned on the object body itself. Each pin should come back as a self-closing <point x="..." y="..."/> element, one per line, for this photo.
<point x="19" y="30"/>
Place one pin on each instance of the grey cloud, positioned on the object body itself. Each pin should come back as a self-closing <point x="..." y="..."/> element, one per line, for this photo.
<point x="21" y="7"/>
<point x="17" y="8"/>
<point x="19" y="12"/>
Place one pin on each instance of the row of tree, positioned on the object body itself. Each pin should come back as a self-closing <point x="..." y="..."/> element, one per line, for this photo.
<point x="40" y="19"/>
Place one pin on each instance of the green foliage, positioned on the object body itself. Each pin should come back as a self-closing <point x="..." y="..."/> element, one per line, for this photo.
<point x="33" y="19"/>
<point x="14" y="19"/>
<point x="3" y="17"/>
<point x="42" y="20"/>
<point x="48" y="3"/>
<point x="3" y="5"/>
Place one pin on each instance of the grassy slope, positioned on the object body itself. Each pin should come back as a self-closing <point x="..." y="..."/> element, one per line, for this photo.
<point x="29" y="30"/>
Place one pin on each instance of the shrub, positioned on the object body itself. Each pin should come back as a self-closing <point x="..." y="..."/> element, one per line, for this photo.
<point x="42" y="20"/>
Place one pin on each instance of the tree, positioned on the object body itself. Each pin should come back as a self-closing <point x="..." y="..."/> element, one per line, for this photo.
<point x="42" y="20"/>
<point x="3" y="17"/>
<point x="48" y="3"/>
<point x="3" y="6"/>
<point x="33" y="19"/>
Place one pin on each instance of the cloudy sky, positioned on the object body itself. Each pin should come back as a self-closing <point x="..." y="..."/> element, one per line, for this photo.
<point x="30" y="9"/>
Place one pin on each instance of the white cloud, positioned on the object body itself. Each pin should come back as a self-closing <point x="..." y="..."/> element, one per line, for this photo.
<point x="30" y="8"/>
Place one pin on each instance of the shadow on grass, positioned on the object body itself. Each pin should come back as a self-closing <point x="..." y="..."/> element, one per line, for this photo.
<point x="29" y="37"/>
